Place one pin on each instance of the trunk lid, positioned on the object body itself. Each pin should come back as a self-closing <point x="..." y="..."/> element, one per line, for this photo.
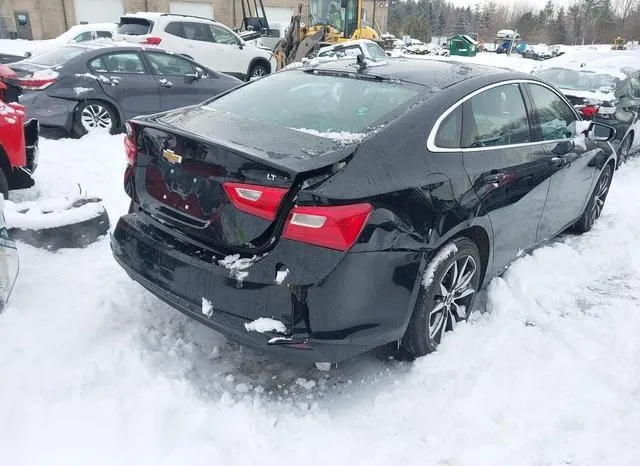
<point x="188" y="161"/>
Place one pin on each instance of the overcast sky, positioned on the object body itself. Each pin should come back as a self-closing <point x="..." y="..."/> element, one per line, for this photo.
<point x="534" y="4"/>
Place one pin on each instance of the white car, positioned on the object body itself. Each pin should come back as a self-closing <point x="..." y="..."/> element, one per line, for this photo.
<point x="204" y="40"/>
<point x="75" y="35"/>
<point x="344" y="50"/>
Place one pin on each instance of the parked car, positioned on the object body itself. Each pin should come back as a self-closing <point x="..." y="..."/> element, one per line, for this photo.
<point x="81" y="88"/>
<point x="595" y="91"/>
<point x="77" y="34"/>
<point x="206" y="41"/>
<point x="9" y="261"/>
<point x="330" y="227"/>
<point x="346" y="50"/>
<point x="18" y="140"/>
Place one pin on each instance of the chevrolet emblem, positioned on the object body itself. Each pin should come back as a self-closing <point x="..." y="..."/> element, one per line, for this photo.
<point x="171" y="156"/>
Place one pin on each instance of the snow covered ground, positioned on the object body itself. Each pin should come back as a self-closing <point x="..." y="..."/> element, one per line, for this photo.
<point x="95" y="370"/>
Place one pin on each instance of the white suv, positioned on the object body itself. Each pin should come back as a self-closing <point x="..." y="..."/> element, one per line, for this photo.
<point x="204" y="40"/>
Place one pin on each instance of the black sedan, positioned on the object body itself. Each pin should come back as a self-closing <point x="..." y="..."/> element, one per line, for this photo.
<point x="370" y="208"/>
<point x="98" y="86"/>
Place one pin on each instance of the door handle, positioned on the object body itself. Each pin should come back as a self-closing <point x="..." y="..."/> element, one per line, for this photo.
<point x="493" y="178"/>
<point x="559" y="162"/>
<point x="165" y="83"/>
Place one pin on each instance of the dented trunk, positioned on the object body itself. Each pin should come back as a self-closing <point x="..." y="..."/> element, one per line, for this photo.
<point x="233" y="196"/>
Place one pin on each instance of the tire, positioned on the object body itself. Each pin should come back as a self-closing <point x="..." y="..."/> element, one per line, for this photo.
<point x="4" y="184"/>
<point x="93" y="114"/>
<point x="258" y="70"/>
<point x="625" y="148"/>
<point x="455" y="269"/>
<point x="596" y="202"/>
<point x="78" y="233"/>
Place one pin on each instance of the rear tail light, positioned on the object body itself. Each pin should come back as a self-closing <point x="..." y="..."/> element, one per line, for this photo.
<point x="130" y="145"/>
<point x="32" y="84"/>
<point x="334" y="227"/>
<point x="152" y="40"/>
<point x="262" y="201"/>
<point x="589" y="111"/>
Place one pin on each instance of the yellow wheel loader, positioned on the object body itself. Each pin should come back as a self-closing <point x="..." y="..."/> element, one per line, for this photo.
<point x="330" y="22"/>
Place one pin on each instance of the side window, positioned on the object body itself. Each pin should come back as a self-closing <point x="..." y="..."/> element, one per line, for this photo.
<point x="222" y="35"/>
<point x="496" y="117"/>
<point x="175" y="29"/>
<point x="104" y="34"/>
<point x="118" y="62"/>
<point x="554" y="114"/>
<point x="85" y="36"/>
<point x="170" y="65"/>
<point x="197" y="31"/>
<point x="634" y="86"/>
<point x="376" y="52"/>
<point x="448" y="136"/>
<point x="98" y="65"/>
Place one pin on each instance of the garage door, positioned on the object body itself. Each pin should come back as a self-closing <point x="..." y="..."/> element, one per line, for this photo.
<point x="98" y="11"/>
<point x="278" y="14"/>
<point x="203" y="9"/>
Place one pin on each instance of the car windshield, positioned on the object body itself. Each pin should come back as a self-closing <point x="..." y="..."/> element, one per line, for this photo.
<point x="56" y="56"/>
<point x="316" y="103"/>
<point x="580" y="80"/>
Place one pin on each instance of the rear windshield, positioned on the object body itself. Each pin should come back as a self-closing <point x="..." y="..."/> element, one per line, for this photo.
<point x="583" y="80"/>
<point x="134" y="26"/>
<point x="56" y="56"/>
<point x="322" y="105"/>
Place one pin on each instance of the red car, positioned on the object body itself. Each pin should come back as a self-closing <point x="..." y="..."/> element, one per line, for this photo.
<point x="18" y="138"/>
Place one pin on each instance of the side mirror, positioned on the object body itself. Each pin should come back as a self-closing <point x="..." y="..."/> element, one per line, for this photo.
<point x="240" y="45"/>
<point x="601" y="132"/>
<point x="196" y="75"/>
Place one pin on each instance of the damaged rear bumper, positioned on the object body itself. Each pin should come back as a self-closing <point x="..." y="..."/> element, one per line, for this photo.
<point x="333" y="305"/>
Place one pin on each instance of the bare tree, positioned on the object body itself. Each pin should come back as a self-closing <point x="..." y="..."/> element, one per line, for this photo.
<point x="625" y="9"/>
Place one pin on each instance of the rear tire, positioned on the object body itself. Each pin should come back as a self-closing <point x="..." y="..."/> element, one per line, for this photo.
<point x="596" y="202"/>
<point x="452" y="279"/>
<point x="91" y="115"/>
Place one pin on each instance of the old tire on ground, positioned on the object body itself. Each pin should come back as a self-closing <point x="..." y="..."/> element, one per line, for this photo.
<point x="58" y="230"/>
<point x="596" y="202"/>
<point x="447" y="293"/>
<point x="91" y="115"/>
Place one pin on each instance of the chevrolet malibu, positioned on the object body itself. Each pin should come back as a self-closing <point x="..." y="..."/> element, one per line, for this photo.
<point x="324" y="211"/>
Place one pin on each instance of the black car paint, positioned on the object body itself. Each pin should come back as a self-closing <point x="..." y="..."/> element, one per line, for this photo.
<point x="130" y="94"/>
<point x="335" y="304"/>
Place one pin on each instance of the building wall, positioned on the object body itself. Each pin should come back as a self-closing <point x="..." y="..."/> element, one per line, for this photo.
<point x="48" y="19"/>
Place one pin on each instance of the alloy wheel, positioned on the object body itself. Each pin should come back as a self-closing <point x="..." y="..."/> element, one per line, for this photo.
<point x="600" y="194"/>
<point x="258" y="72"/>
<point x="453" y="297"/>
<point x="95" y="116"/>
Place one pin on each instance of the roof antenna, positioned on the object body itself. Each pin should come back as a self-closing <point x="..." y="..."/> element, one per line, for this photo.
<point x="360" y="61"/>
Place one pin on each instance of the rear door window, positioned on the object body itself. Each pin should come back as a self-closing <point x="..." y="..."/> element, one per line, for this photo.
<point x="118" y="62"/>
<point x="554" y="115"/>
<point x="448" y="136"/>
<point x="197" y="31"/>
<point x="496" y="117"/>
<point x="134" y="26"/>
<point x="105" y="34"/>
<point x="175" y="29"/>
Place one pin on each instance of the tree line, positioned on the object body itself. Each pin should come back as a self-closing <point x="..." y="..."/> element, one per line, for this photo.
<point x="583" y="22"/>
